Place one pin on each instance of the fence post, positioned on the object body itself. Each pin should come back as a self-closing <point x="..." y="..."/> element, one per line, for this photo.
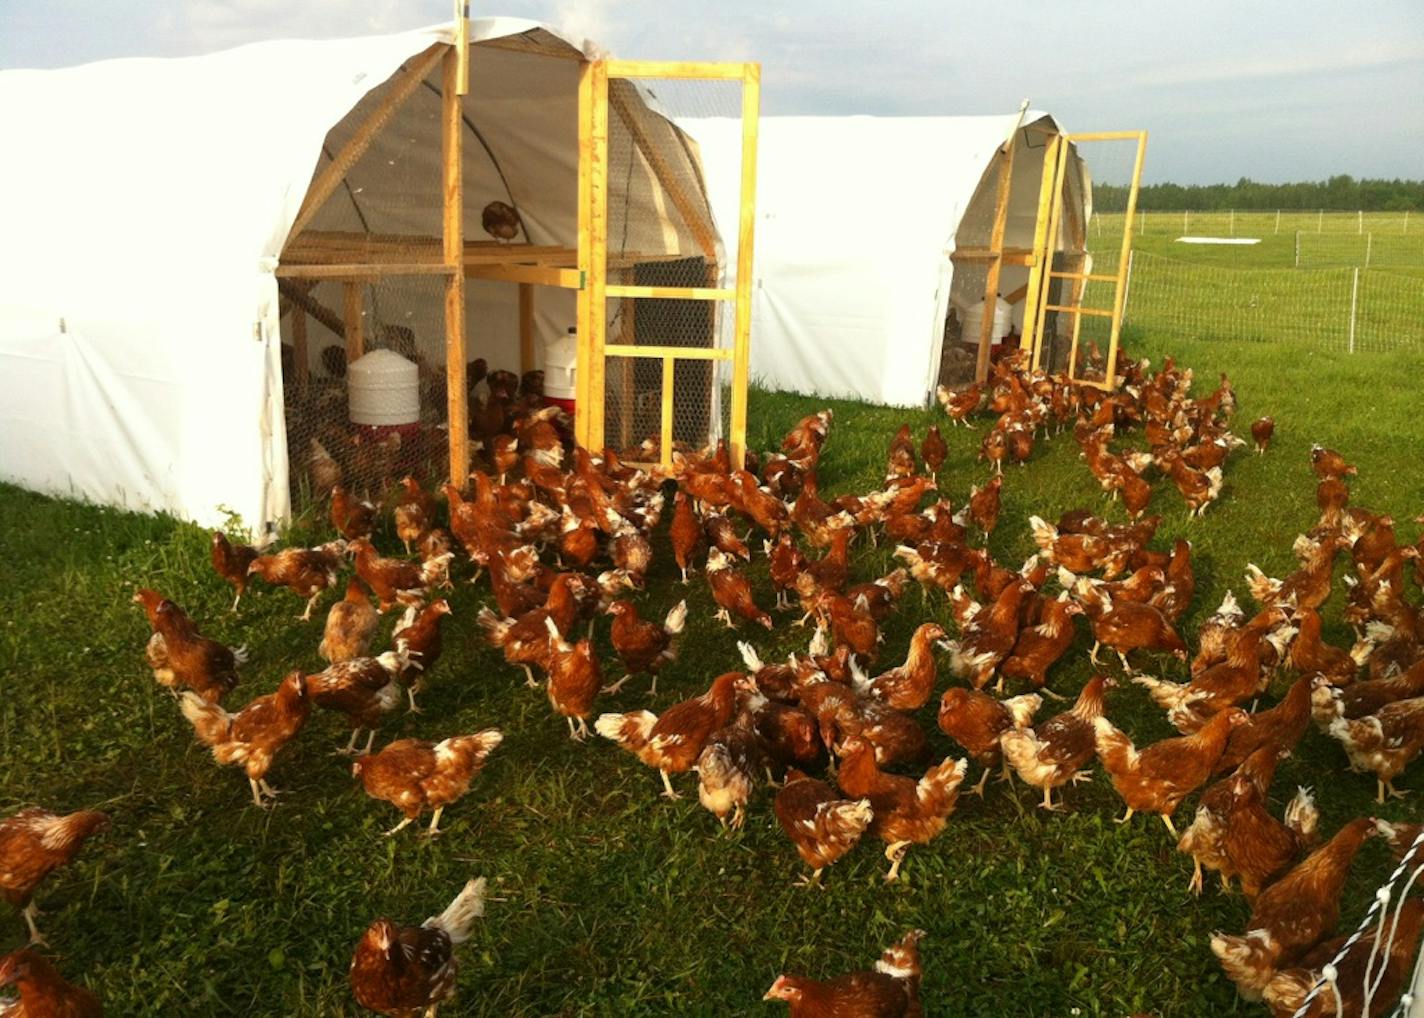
<point x="1297" y="249"/>
<point x="1369" y="240"/>
<point x="1354" y="295"/>
<point x="1406" y="220"/>
<point x="1185" y="215"/>
<point x="1320" y="221"/>
<point x="1278" y="220"/>
<point x="1232" y="232"/>
<point x="1360" y="220"/>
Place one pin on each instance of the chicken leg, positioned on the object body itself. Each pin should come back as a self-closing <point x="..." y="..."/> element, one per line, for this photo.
<point x="1195" y="887"/>
<point x="433" y="831"/>
<point x="1125" y="817"/>
<point x="978" y="789"/>
<point x="1170" y="826"/>
<point x="529" y="677"/>
<point x="306" y="615"/>
<point x="895" y="852"/>
<point x="400" y="826"/>
<point x="668" y="791"/>
<point x="256" y="794"/>
<point x="29" y="913"/>
<point x="811" y="880"/>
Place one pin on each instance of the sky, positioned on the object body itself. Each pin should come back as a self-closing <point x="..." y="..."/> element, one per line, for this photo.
<point x="1274" y="91"/>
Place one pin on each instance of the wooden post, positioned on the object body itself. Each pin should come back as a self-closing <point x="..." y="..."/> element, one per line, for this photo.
<point x="1278" y="220"/>
<point x="1360" y="221"/>
<point x="1354" y="297"/>
<point x="665" y="428"/>
<point x="526" y="327"/>
<point x="301" y="369"/>
<point x="741" y="352"/>
<point x="453" y="191"/>
<point x="591" y="408"/>
<point x="1042" y="262"/>
<point x="1065" y="153"/>
<point x="353" y="306"/>
<point x="996" y="251"/>
<point x="585" y="237"/>
<point x="1124" y="263"/>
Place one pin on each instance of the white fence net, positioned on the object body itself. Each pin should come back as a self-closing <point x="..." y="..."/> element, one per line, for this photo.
<point x="1365" y="250"/>
<point x="1263" y="223"/>
<point x="1346" y="309"/>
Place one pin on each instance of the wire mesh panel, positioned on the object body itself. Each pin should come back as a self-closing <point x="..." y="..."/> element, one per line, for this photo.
<point x="669" y="304"/>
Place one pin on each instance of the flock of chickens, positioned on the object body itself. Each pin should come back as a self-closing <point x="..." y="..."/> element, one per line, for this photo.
<point x="834" y="710"/>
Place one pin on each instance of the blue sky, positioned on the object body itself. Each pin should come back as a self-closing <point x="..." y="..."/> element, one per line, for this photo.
<point x="1275" y="91"/>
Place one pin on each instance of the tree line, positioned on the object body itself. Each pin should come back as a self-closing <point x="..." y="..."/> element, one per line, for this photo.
<point x="1342" y="192"/>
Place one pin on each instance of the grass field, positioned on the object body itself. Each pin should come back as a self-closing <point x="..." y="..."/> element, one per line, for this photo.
<point x="612" y="901"/>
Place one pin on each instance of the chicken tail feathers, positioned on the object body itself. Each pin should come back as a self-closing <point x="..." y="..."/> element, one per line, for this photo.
<point x="209" y="721"/>
<point x="1302" y="816"/>
<point x="1044" y="534"/>
<point x="1115" y="748"/>
<point x="1249" y="961"/>
<point x="495" y="627"/>
<point x="938" y="790"/>
<point x="631" y="730"/>
<point x="1167" y="695"/>
<point x="459" y="917"/>
<point x="750" y="658"/>
<point x="676" y="619"/>
<point x="1023" y="708"/>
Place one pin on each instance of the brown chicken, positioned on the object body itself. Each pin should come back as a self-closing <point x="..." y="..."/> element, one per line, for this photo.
<point x="409" y="971"/>
<point x="732" y="592"/>
<point x="230" y="561"/>
<point x="906" y="812"/>
<point x="822" y="825"/>
<point x="419" y="643"/>
<point x="976" y="720"/>
<point x="1053" y="753"/>
<point x="1293" y="914"/>
<point x="1400" y="837"/>
<point x="43" y="991"/>
<point x="959" y="405"/>
<point x="395" y="581"/>
<point x="352" y="518"/>
<point x="33" y="844"/>
<point x="1385" y="975"/>
<point x="413" y="775"/>
<point x="727" y="770"/>
<point x="1384" y="743"/>
<point x="785" y="563"/>
<point x="525" y="640"/>
<point x="350" y="625"/>
<point x="1039" y="647"/>
<point x="644" y="647"/>
<point x="933" y="450"/>
<point x="890" y="990"/>
<point x="685" y="533"/>
<point x="1158" y="777"/>
<point x="1261" y="430"/>
<point x="901" y="460"/>
<point x="181" y="657"/>
<point x="673" y="741"/>
<point x="1278" y="729"/>
<point x="988" y="636"/>
<point x="363" y="688"/>
<point x="306" y="572"/>
<point x="1309" y="653"/>
<point x="909" y="686"/>
<point x="1328" y="463"/>
<point x="252" y="736"/>
<point x="1124" y="627"/>
<point x="414" y="512"/>
<point x="574" y="680"/>
<point x="984" y="504"/>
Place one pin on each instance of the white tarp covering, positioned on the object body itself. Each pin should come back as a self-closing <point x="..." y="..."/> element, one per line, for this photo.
<point x="856" y="220"/>
<point x="143" y="207"/>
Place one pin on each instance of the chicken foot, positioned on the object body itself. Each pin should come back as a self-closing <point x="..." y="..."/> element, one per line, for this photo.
<point x="529" y="677"/>
<point x="399" y="827"/>
<point x="812" y="879"/>
<point x="1125" y="817"/>
<point x="1198" y="878"/>
<point x="577" y="731"/>
<point x="306" y="615"/>
<point x="978" y="789"/>
<point x="433" y="831"/>
<point x="1387" y="789"/>
<point x="668" y="791"/>
<point x="30" y="911"/>
<point x="613" y="688"/>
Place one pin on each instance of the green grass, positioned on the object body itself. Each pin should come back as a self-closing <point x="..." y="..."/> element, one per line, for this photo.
<point x="615" y="902"/>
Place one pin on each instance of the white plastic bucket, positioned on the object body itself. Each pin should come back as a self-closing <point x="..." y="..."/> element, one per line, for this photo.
<point x="383" y="388"/>
<point x="974" y="319"/>
<point x="560" y="366"/>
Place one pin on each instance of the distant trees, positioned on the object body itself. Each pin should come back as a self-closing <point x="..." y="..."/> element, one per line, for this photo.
<point x="1342" y="192"/>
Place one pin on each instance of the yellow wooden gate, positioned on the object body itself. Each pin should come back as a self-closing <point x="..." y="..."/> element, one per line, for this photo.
<point x="665" y="313"/>
<point x="1062" y="251"/>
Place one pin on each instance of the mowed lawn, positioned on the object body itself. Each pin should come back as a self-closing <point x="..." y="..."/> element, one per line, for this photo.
<point x="607" y="899"/>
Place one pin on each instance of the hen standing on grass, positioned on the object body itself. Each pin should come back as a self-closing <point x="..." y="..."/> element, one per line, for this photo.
<point x="414" y="775"/>
<point x="409" y="971"/>
<point x="253" y="735"/>
<point x="350" y="625"/>
<point x="34" y="843"/>
<point x="230" y="561"/>
<point x="822" y="825"/>
<point x="890" y="990"/>
<point x="181" y="657"/>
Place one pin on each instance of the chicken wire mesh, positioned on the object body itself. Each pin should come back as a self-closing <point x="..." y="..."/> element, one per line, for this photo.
<point x="662" y="233"/>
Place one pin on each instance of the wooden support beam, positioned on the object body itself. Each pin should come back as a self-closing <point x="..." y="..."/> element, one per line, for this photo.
<point x="674" y="69"/>
<point x="301" y="369"/>
<point x="685" y="353"/>
<point x="665" y="429"/>
<point x="298" y="295"/>
<point x="365" y="271"/>
<point x="1042" y="250"/>
<point x="598" y="257"/>
<point x="526" y="327"/>
<point x="399" y="88"/>
<point x="584" y="299"/>
<point x="453" y="234"/>
<point x="698" y="220"/>
<point x="354" y="294"/>
<point x="1016" y="296"/>
<point x="526" y="275"/>
<point x="670" y="292"/>
<point x="741" y="344"/>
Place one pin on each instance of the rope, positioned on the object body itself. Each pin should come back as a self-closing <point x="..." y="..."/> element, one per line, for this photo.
<point x="1330" y="973"/>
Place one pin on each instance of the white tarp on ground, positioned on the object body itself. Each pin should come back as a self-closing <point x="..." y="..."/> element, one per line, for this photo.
<point x="143" y="207"/>
<point x="856" y="219"/>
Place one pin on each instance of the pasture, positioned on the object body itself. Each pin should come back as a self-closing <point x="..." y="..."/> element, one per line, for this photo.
<point x="607" y="899"/>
